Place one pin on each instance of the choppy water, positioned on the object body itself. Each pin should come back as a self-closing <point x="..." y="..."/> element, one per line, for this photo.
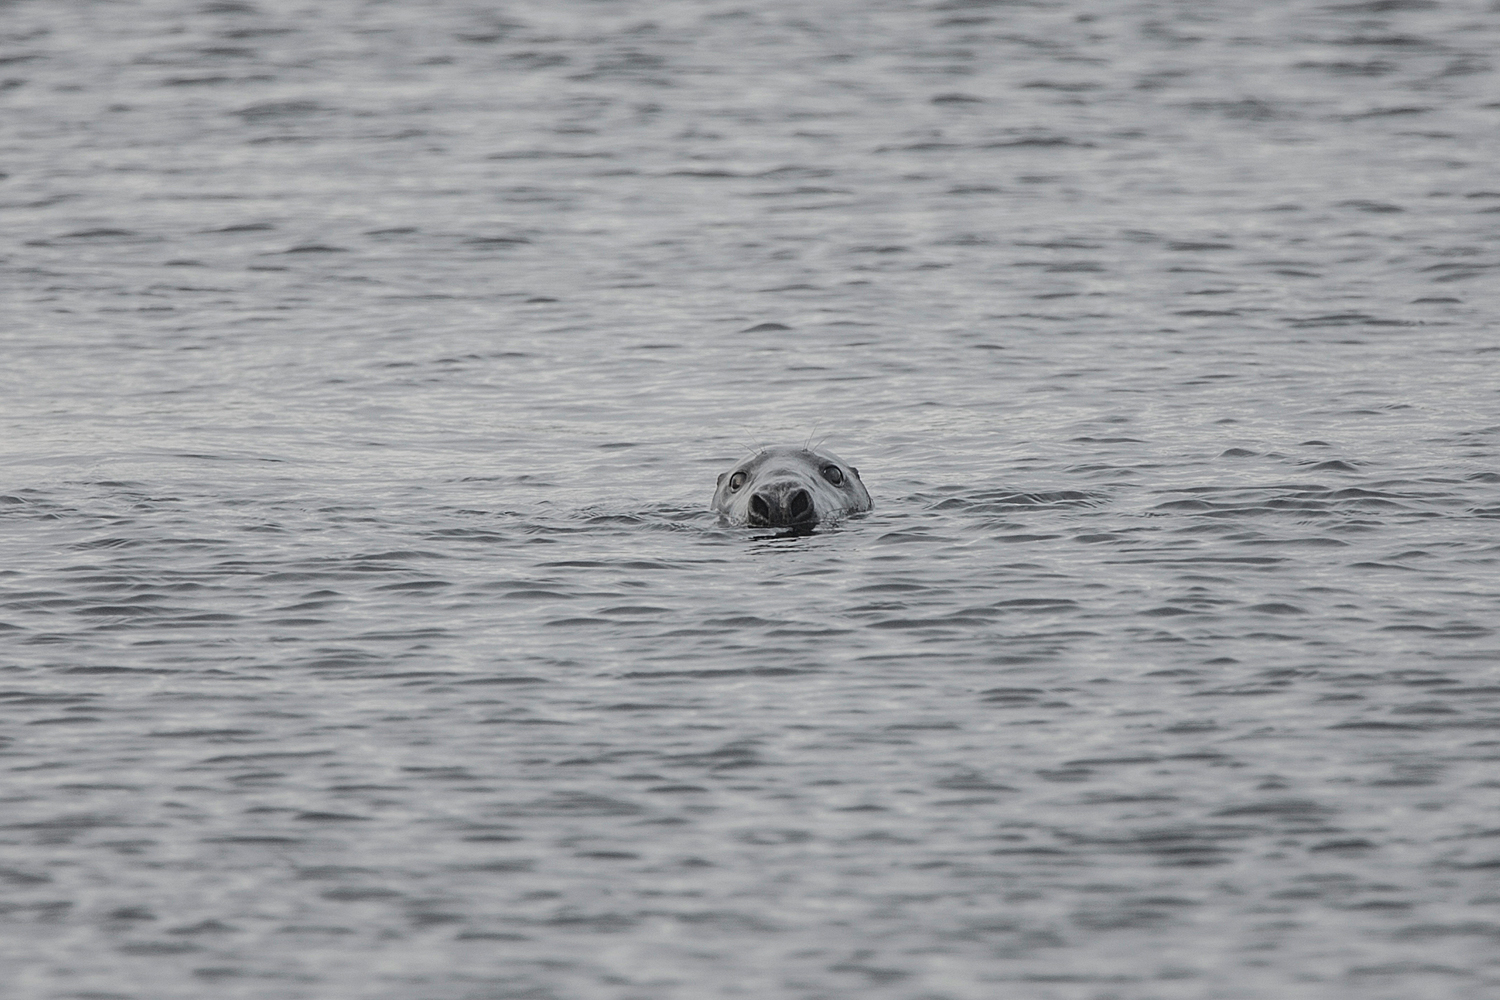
<point x="367" y="367"/>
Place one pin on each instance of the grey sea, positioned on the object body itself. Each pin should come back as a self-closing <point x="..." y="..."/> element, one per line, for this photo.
<point x="365" y="370"/>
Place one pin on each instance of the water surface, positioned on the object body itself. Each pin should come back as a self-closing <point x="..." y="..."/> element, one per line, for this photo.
<point x="367" y="366"/>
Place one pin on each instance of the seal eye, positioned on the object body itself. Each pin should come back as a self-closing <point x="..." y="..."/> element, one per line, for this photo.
<point x="737" y="480"/>
<point x="833" y="474"/>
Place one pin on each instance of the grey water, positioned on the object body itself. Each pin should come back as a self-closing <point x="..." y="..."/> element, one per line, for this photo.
<point x="364" y="628"/>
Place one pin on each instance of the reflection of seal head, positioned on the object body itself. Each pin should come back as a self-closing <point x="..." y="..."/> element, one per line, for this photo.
<point x="789" y="487"/>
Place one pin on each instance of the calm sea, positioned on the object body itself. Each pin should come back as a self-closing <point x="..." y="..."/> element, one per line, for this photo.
<point x="365" y="368"/>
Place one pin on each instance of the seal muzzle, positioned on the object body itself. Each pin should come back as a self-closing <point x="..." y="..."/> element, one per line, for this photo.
<point x="782" y="505"/>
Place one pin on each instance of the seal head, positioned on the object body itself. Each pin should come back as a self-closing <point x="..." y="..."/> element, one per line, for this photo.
<point x="790" y="487"/>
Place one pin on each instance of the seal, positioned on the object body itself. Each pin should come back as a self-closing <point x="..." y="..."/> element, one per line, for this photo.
<point x="790" y="487"/>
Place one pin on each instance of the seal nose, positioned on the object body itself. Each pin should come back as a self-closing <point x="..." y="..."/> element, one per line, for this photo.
<point x="786" y="507"/>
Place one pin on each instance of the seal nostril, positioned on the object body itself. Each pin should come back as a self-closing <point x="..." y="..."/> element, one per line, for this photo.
<point x="760" y="510"/>
<point x="799" y="506"/>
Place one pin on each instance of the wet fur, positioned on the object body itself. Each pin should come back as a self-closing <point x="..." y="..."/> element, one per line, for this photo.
<point x="776" y="471"/>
